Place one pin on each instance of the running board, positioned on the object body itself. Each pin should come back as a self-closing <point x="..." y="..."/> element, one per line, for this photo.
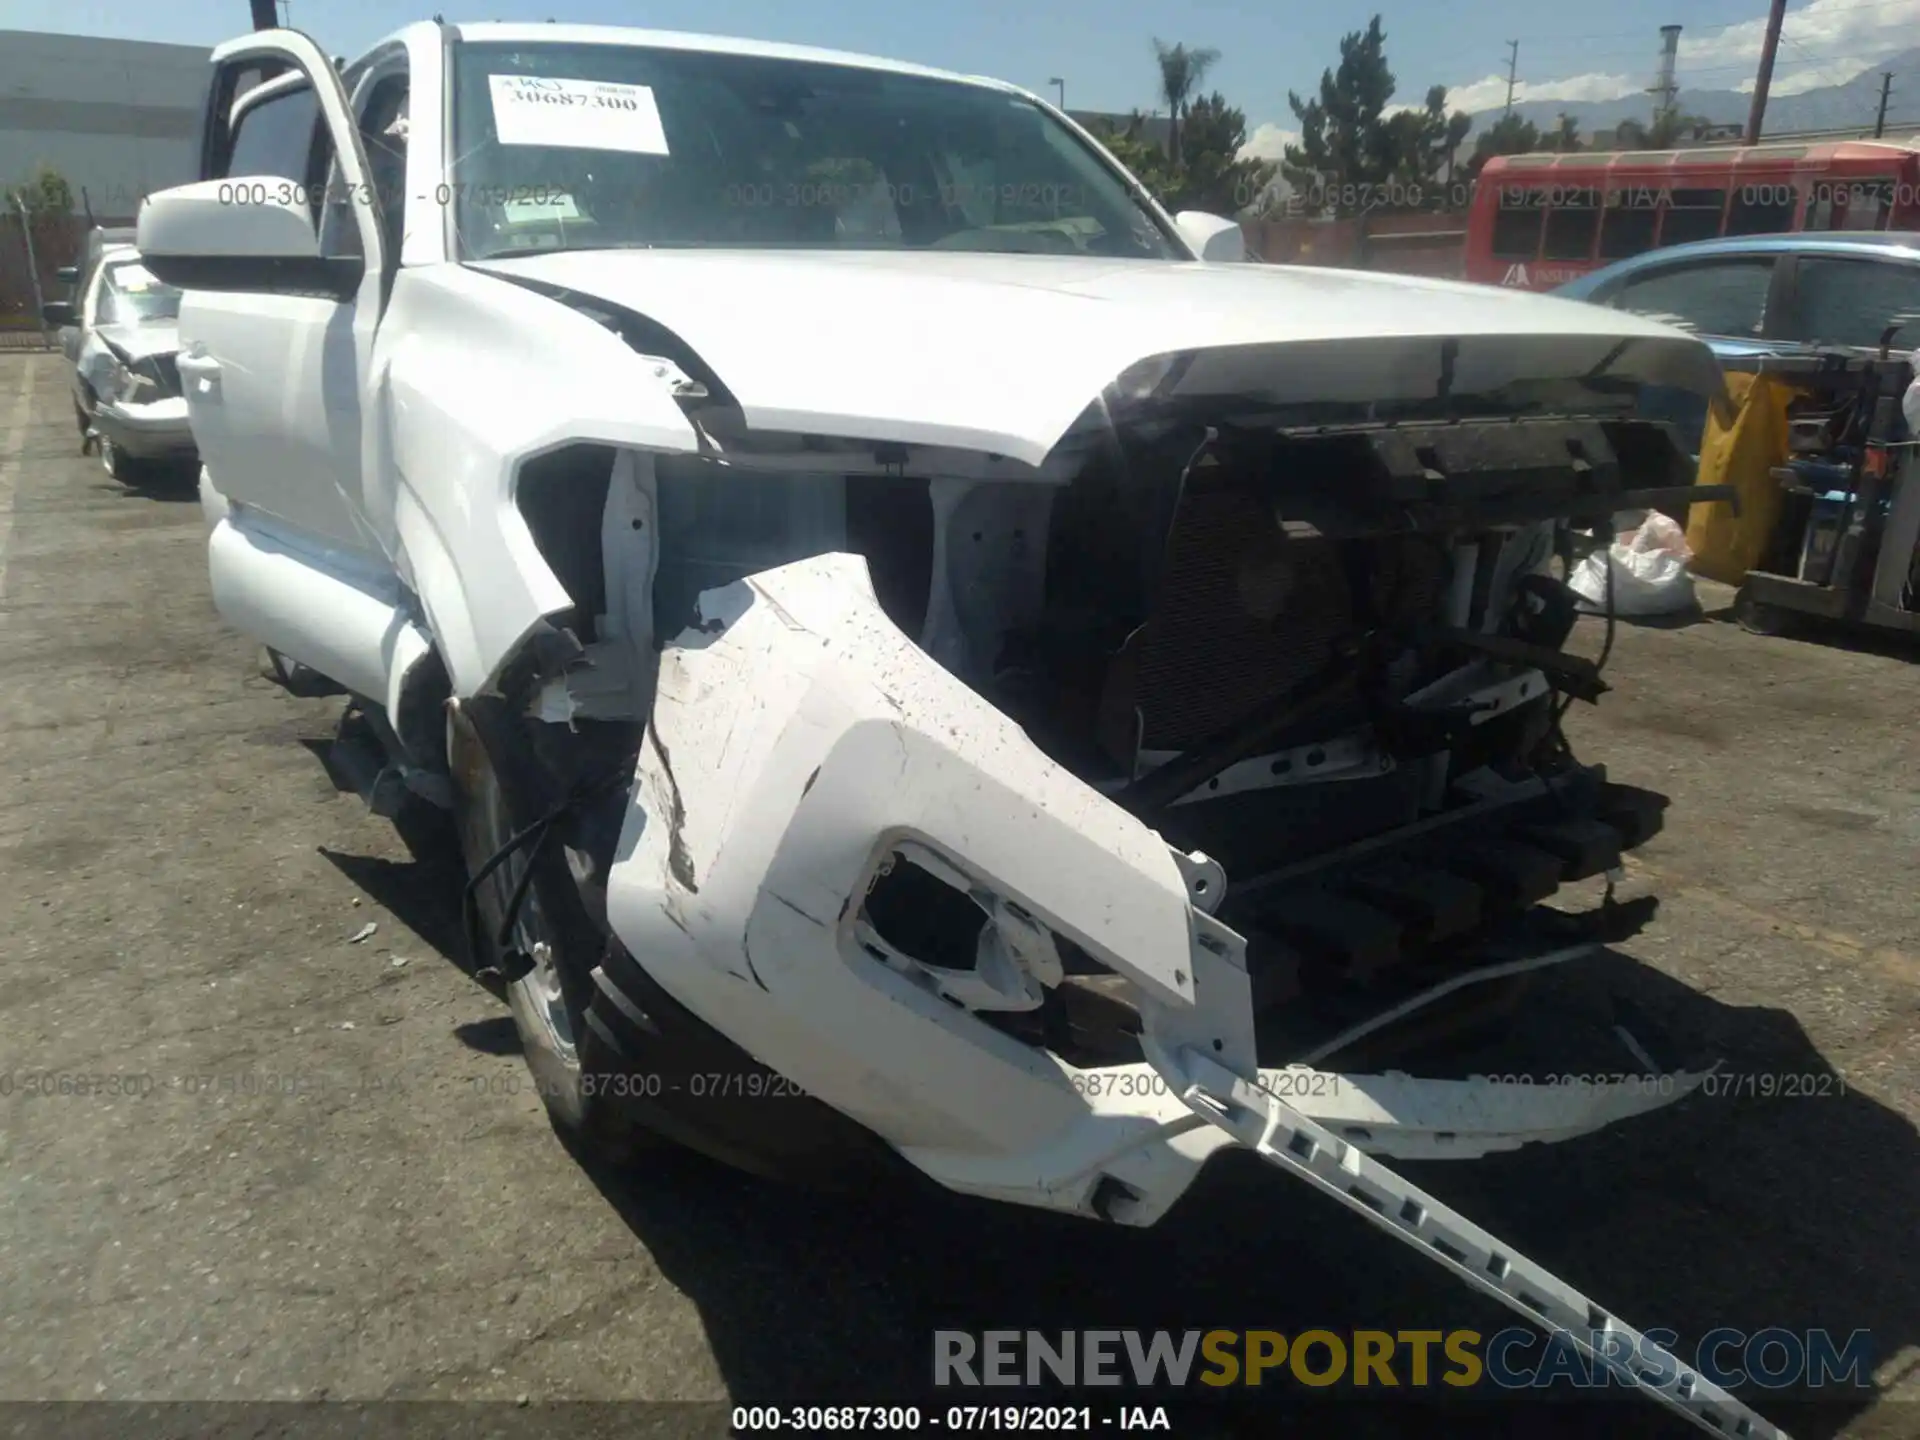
<point x="1284" y="1137"/>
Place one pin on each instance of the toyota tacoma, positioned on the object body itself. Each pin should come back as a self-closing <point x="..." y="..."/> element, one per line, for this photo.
<point x="935" y="663"/>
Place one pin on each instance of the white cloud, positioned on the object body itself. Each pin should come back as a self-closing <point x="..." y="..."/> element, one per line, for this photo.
<point x="1824" y="42"/>
<point x="1268" y="142"/>
<point x="1491" y="93"/>
<point x="1815" y="33"/>
<point x="1811" y="77"/>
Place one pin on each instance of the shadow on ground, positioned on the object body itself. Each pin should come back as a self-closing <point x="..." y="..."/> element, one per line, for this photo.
<point x="166" y="484"/>
<point x="1726" y="1210"/>
<point x="1723" y="1211"/>
<point x="422" y="891"/>
<point x="1856" y="638"/>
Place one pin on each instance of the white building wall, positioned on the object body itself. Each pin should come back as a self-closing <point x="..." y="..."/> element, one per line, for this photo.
<point x="118" y="118"/>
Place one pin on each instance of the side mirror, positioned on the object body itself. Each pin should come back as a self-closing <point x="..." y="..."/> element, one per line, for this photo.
<point x="67" y="274"/>
<point x="58" y="314"/>
<point x="1215" y="237"/>
<point x="240" y="235"/>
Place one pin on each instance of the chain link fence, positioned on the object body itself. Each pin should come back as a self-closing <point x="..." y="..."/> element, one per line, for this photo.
<point x="34" y="245"/>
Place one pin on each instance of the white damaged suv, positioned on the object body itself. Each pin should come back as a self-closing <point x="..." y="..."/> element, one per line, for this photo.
<point x="933" y="662"/>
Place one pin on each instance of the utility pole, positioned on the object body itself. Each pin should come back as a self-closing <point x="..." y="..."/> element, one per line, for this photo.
<point x="266" y="15"/>
<point x="1762" y="80"/>
<point x="1665" y="88"/>
<point x="1513" y="66"/>
<point x="1886" y="89"/>
<point x="1061" y="86"/>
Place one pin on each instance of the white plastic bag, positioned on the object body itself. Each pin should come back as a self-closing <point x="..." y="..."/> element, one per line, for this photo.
<point x="1650" y="577"/>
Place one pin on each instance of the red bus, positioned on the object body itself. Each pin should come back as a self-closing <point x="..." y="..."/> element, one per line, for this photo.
<point x="1537" y="221"/>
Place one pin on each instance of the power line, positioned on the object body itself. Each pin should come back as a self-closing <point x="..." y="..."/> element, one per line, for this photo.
<point x="1723" y="25"/>
<point x="1769" y="51"/>
<point x="1690" y="76"/>
<point x="1536" y="43"/>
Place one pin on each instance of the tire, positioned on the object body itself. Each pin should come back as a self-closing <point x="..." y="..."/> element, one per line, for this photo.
<point x="123" y="467"/>
<point x="1756" y="617"/>
<point x="549" y="1002"/>
<point x="622" y="1066"/>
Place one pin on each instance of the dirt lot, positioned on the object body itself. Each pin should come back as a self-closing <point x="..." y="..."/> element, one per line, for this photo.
<point x="183" y="881"/>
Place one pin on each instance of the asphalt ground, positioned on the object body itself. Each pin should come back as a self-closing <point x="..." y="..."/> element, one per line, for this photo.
<point x="336" y="1183"/>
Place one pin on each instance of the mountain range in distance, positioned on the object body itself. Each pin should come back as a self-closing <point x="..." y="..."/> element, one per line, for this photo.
<point x="1847" y="106"/>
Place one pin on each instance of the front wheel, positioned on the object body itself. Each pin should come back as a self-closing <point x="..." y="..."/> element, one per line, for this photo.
<point x="121" y="466"/>
<point x="548" y="983"/>
<point x="1756" y="617"/>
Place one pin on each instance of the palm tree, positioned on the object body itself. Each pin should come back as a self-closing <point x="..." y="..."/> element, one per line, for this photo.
<point x="1181" y="71"/>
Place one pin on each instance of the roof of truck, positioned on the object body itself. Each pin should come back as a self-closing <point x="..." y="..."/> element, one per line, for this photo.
<point x="524" y="33"/>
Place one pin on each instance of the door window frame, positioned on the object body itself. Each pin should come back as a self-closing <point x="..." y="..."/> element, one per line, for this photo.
<point x="1789" y="311"/>
<point x="367" y="76"/>
<point x="280" y="52"/>
<point x="1772" y="321"/>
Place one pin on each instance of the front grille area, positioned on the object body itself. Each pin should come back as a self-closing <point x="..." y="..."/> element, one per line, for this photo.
<point x="1245" y="613"/>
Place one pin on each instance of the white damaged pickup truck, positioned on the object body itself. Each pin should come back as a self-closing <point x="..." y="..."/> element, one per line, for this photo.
<point x="934" y="663"/>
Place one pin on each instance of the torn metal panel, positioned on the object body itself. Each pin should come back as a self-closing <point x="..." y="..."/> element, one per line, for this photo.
<point x="989" y="568"/>
<point x="604" y="684"/>
<point x="801" y="663"/>
<point x="809" y="741"/>
<point x="1413" y="1118"/>
<point x="1138" y="1128"/>
<point x="1280" y="1134"/>
<point x="1341" y="758"/>
<point x="1482" y="689"/>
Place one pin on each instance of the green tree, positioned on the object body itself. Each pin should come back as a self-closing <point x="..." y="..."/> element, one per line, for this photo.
<point x="1342" y="136"/>
<point x="1419" y="145"/>
<point x="1215" y="178"/>
<point x="1509" y="135"/>
<point x="1146" y="160"/>
<point x="1566" y="136"/>
<point x="47" y="192"/>
<point x="1351" y="154"/>
<point x="1181" y="71"/>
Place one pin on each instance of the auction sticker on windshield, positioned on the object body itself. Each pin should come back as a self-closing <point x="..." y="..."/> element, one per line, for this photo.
<point x="576" y="114"/>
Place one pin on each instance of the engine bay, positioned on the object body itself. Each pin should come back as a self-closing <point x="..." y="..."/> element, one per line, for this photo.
<point x="1327" y="660"/>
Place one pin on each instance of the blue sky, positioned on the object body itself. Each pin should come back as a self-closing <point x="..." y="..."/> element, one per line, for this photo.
<point x="1103" y="48"/>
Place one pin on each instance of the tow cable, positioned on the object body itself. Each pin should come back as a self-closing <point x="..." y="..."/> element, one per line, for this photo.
<point x="515" y="964"/>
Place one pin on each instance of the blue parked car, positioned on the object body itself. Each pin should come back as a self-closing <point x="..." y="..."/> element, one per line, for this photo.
<point x="1768" y="294"/>
<point x="1771" y="292"/>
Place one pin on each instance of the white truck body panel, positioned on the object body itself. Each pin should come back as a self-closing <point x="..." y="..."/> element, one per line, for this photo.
<point x="365" y="459"/>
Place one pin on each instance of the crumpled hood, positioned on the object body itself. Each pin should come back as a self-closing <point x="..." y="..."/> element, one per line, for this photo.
<point x="1003" y="353"/>
<point x="148" y="337"/>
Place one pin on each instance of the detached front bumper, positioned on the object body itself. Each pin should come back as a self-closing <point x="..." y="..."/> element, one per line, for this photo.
<point x="800" y="747"/>
<point x="156" y="431"/>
